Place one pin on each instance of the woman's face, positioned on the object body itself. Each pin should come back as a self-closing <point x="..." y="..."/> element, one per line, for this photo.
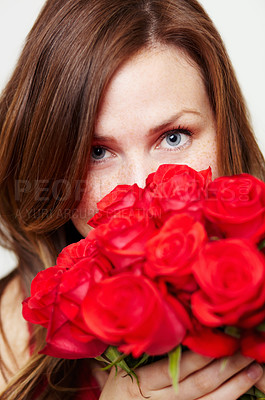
<point x="155" y="111"/>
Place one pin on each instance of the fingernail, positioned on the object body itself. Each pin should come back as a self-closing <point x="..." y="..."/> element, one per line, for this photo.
<point x="254" y="371"/>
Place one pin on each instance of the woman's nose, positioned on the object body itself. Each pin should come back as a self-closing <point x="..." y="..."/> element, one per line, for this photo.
<point x="137" y="172"/>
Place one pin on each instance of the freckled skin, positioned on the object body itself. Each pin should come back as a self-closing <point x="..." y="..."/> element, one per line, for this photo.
<point x="152" y="87"/>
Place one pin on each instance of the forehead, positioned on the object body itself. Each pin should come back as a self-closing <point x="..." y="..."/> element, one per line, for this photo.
<point x="163" y="79"/>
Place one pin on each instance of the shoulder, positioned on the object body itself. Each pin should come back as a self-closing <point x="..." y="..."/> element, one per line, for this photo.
<point x="14" y="333"/>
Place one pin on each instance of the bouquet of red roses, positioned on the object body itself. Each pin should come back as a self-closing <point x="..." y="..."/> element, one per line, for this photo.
<point x="178" y="262"/>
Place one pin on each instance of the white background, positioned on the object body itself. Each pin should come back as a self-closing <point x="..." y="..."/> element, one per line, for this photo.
<point x="240" y="22"/>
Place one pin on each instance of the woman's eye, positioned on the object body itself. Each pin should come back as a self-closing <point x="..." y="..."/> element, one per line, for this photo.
<point x="175" y="138"/>
<point x="99" y="153"/>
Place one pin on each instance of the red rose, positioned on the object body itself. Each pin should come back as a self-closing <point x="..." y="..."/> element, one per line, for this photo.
<point x="68" y="335"/>
<point x="121" y="198"/>
<point x="236" y="205"/>
<point x="171" y="251"/>
<point x="128" y="311"/>
<point x="76" y="282"/>
<point x="176" y="188"/>
<point x="38" y="307"/>
<point x="85" y="248"/>
<point x="210" y="342"/>
<point x="253" y="345"/>
<point x="166" y="172"/>
<point x="231" y="276"/>
<point x="123" y="238"/>
<point x="55" y="303"/>
<point x="62" y="344"/>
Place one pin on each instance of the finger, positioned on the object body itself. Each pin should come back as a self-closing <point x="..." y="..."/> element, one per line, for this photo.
<point x="100" y="375"/>
<point x="212" y="376"/>
<point x="230" y="390"/>
<point x="191" y="362"/>
<point x="261" y="382"/>
<point x="237" y="385"/>
<point x="156" y="375"/>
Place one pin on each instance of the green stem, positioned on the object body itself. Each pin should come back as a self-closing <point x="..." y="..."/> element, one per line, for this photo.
<point x="174" y="366"/>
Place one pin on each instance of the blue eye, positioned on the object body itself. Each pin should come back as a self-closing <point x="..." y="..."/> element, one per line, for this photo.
<point x="98" y="153"/>
<point x="173" y="139"/>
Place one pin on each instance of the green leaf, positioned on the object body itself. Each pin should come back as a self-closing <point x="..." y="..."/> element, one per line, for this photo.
<point x="251" y="391"/>
<point x="259" y="394"/>
<point x="261" y="327"/>
<point x="101" y="359"/>
<point x="117" y="359"/>
<point x="174" y="365"/>
<point x="214" y="238"/>
<point x="253" y="394"/>
<point x="112" y="353"/>
<point x="233" y="331"/>
<point x="261" y="245"/>
<point x="142" y="360"/>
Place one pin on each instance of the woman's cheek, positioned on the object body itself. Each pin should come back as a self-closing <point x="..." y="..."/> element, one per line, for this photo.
<point x="80" y="217"/>
<point x="87" y="208"/>
<point x="204" y="154"/>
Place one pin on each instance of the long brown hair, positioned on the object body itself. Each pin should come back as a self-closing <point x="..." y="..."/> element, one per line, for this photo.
<point x="47" y="115"/>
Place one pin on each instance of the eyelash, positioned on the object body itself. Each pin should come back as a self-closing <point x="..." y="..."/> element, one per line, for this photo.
<point x="180" y="129"/>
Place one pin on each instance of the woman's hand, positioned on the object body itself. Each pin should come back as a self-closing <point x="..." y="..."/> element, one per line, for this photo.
<point x="200" y="378"/>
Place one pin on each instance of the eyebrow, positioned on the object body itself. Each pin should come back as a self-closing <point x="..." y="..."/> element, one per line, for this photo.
<point x="160" y="127"/>
<point x="173" y="118"/>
